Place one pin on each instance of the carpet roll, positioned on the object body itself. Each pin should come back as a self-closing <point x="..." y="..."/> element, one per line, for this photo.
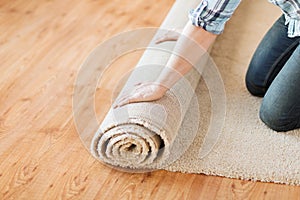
<point x="129" y="145"/>
<point x="230" y="141"/>
<point x="140" y="136"/>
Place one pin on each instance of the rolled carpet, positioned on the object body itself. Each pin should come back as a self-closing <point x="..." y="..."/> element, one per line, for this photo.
<point x="140" y="136"/>
<point x="242" y="148"/>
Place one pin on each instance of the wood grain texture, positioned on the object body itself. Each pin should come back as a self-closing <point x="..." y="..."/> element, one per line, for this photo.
<point x="42" y="44"/>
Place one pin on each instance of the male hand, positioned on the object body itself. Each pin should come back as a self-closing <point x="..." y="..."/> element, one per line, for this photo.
<point x="170" y="35"/>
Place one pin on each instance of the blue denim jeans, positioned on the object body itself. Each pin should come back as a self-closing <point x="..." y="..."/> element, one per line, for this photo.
<point x="274" y="74"/>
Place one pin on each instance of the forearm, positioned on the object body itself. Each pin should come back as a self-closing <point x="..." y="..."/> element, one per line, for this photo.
<point x="206" y="21"/>
<point x="177" y="66"/>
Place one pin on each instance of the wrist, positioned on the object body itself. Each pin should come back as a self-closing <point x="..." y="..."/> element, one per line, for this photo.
<point x="161" y="87"/>
<point x="199" y="35"/>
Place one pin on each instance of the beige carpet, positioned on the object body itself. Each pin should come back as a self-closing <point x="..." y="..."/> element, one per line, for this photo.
<point x="242" y="148"/>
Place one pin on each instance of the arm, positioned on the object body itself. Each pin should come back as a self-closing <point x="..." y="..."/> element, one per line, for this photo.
<point x="206" y="22"/>
<point x="203" y="38"/>
<point x="151" y="91"/>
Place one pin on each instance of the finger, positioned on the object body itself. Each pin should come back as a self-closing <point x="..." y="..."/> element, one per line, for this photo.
<point x="119" y="100"/>
<point x="139" y="83"/>
<point x="168" y="39"/>
<point x="137" y="97"/>
<point x="126" y="93"/>
<point x="127" y="99"/>
<point x="124" y="102"/>
<point x="160" y="40"/>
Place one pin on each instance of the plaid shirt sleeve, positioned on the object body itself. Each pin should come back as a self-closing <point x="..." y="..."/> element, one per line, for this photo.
<point x="212" y="15"/>
<point x="291" y="10"/>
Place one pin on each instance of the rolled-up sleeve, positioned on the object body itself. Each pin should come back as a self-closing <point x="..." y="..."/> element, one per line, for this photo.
<point x="291" y="10"/>
<point x="212" y="15"/>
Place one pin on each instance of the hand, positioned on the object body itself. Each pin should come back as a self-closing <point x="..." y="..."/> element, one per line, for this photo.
<point x="170" y="35"/>
<point x="142" y="92"/>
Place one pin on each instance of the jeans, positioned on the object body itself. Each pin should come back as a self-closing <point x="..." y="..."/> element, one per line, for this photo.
<point x="274" y="74"/>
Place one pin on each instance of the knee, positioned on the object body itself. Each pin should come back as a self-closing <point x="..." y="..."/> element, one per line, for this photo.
<point x="254" y="88"/>
<point x="275" y="119"/>
<point x="254" y="85"/>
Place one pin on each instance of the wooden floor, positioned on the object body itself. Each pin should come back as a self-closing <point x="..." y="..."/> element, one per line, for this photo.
<point x="42" y="44"/>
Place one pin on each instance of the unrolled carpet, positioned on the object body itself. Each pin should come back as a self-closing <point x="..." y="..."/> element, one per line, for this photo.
<point x="203" y="133"/>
